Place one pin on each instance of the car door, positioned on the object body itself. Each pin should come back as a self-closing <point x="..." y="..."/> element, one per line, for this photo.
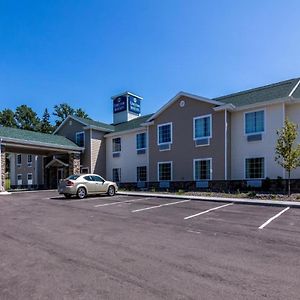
<point x="90" y="184"/>
<point x="100" y="187"/>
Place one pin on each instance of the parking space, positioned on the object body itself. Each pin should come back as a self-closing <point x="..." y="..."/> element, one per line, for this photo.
<point x="146" y="248"/>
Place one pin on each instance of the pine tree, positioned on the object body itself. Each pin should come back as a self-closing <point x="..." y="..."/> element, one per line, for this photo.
<point x="45" y="125"/>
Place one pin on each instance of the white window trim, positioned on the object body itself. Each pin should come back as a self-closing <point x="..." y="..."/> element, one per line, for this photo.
<point x="194" y="168"/>
<point x="145" y="148"/>
<point x="164" y="162"/>
<point x="252" y="111"/>
<point x="112" y="144"/>
<point x="164" y="124"/>
<point x="19" y="179"/>
<point x="146" y="173"/>
<point x="120" y="174"/>
<point x="80" y="132"/>
<point x="194" y="128"/>
<point x="265" y="168"/>
<point x="30" y="179"/>
<point x="19" y="165"/>
<point x="29" y="164"/>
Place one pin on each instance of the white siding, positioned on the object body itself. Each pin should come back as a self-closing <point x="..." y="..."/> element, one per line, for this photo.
<point x="129" y="160"/>
<point x="241" y="148"/>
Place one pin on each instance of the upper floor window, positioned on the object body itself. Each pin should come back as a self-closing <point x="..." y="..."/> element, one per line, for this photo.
<point x="255" y="122"/>
<point x="29" y="160"/>
<point x="255" y="168"/>
<point x="80" y="139"/>
<point x="141" y="141"/>
<point x="202" y="127"/>
<point x="19" y="159"/>
<point x="116" y="145"/>
<point x="164" y="133"/>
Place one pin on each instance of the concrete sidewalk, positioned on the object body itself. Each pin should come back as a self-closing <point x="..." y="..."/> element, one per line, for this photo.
<point x="217" y="199"/>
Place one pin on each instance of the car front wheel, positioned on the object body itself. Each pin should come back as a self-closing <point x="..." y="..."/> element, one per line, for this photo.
<point x="81" y="193"/>
<point x="111" y="191"/>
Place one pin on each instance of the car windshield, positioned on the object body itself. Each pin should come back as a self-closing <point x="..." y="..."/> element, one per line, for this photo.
<point x="73" y="177"/>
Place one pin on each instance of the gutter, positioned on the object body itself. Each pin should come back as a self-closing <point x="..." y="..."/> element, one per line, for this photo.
<point x="6" y="140"/>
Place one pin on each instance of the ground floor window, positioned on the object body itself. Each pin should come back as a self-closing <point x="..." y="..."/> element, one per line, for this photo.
<point x="141" y="173"/>
<point x="29" y="178"/>
<point x="116" y="174"/>
<point x="164" y="171"/>
<point x="202" y="169"/>
<point x="84" y="170"/>
<point x="255" y="168"/>
<point x="19" y="179"/>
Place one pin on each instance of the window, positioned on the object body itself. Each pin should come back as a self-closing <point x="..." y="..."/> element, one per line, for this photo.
<point x="202" y="169"/>
<point x="202" y="127"/>
<point x="255" y="168"/>
<point x="29" y="178"/>
<point x="88" y="178"/>
<point x="255" y="122"/>
<point x="116" y="175"/>
<point x="80" y="139"/>
<point x="84" y="170"/>
<point x="98" y="178"/>
<point x="164" y="171"/>
<point x="141" y="173"/>
<point x="141" y="141"/>
<point x="164" y="133"/>
<point x="19" y="159"/>
<point x="19" y="179"/>
<point x="116" y="145"/>
<point x="29" y="160"/>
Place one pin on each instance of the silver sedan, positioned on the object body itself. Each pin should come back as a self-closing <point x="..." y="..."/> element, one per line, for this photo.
<point x="86" y="184"/>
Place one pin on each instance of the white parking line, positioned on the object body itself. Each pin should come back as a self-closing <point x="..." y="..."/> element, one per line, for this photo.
<point x="207" y="211"/>
<point x="161" y="205"/>
<point x="120" y="202"/>
<point x="273" y="218"/>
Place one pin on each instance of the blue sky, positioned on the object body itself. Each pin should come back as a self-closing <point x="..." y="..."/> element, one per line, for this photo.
<point x="83" y="52"/>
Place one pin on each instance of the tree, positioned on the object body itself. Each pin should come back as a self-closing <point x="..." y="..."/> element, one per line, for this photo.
<point x="287" y="154"/>
<point x="26" y="118"/>
<point x="81" y="113"/>
<point x="62" y="111"/>
<point x="7" y="118"/>
<point x="45" y="125"/>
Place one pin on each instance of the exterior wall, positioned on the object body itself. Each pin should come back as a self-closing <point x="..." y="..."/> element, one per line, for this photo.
<point x="98" y="153"/>
<point x="69" y="130"/>
<point x="183" y="149"/>
<point x="129" y="160"/>
<point x="242" y="149"/>
<point x="36" y="169"/>
<point x="292" y="112"/>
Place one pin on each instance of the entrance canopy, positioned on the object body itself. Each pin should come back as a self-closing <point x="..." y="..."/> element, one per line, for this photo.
<point x="24" y="141"/>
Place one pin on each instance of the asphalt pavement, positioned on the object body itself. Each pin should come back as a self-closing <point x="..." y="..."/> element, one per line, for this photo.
<point x="128" y="247"/>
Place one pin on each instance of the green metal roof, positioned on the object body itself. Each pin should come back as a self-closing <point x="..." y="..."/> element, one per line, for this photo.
<point x="135" y="123"/>
<point x="261" y="94"/>
<point x="100" y="125"/>
<point x="32" y="136"/>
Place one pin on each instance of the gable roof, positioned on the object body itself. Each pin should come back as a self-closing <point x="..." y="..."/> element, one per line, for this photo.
<point x="265" y="93"/>
<point x="132" y="124"/>
<point x="87" y="122"/>
<point x="183" y="94"/>
<point x="32" y="137"/>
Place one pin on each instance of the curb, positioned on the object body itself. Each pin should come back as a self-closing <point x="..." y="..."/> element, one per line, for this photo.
<point x="218" y="199"/>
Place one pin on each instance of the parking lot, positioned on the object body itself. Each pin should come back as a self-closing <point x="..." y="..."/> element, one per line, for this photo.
<point x="130" y="247"/>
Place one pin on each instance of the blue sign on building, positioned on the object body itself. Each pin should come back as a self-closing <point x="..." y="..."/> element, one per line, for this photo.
<point x="134" y="105"/>
<point x="120" y="104"/>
